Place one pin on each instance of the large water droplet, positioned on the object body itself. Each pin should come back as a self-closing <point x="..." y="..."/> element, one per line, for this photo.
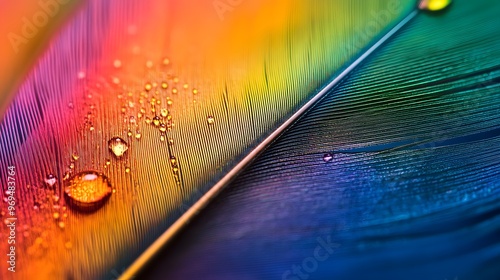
<point x="433" y="5"/>
<point x="87" y="191"/>
<point x="118" y="146"/>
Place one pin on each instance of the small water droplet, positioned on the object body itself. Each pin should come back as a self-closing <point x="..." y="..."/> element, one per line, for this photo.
<point x="117" y="63"/>
<point x="164" y="112"/>
<point x="108" y="162"/>
<point x="149" y="64"/>
<point x="132" y="119"/>
<point x="87" y="191"/>
<point x="81" y="75"/>
<point x="148" y="87"/>
<point x="185" y="86"/>
<point x="75" y="156"/>
<point x="210" y="120"/>
<point x="327" y="157"/>
<point x="138" y="135"/>
<point x="166" y="61"/>
<point x="434" y="5"/>
<point x="162" y="138"/>
<point x="62" y="224"/>
<point x="174" y="90"/>
<point x="50" y="180"/>
<point x="127" y="169"/>
<point x="129" y="133"/>
<point x="163" y="127"/>
<point x="118" y="146"/>
<point x="195" y="91"/>
<point x="164" y="85"/>
<point x="56" y="215"/>
<point x="156" y="121"/>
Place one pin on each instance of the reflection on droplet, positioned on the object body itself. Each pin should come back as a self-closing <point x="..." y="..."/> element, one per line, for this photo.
<point x="210" y="120"/>
<point x="87" y="190"/>
<point x="433" y="5"/>
<point x="118" y="146"/>
<point x="50" y="180"/>
<point x="327" y="157"/>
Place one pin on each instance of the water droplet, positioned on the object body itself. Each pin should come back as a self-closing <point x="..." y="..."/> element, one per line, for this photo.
<point x="163" y="127"/>
<point x="149" y="64"/>
<point x="174" y="90"/>
<point x="164" y="85"/>
<point x="327" y="157"/>
<point x="118" y="146"/>
<point x="166" y="61"/>
<point x="156" y="121"/>
<point x="87" y="190"/>
<point x="195" y="91"/>
<point x="185" y="86"/>
<point x="210" y="120"/>
<point x="173" y="161"/>
<point x="56" y="215"/>
<point x="164" y="112"/>
<point x="132" y="119"/>
<point x="50" y="180"/>
<point x="62" y="224"/>
<point x="434" y="5"/>
<point x="117" y="63"/>
<point x="108" y="162"/>
<point x="162" y="138"/>
<point x="138" y="135"/>
<point x="75" y="156"/>
<point x="127" y="169"/>
<point x="129" y="133"/>
<point x="171" y="141"/>
<point x="148" y="87"/>
<point x="81" y="75"/>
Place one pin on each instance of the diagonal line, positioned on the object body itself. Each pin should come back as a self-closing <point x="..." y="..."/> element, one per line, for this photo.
<point x="221" y="184"/>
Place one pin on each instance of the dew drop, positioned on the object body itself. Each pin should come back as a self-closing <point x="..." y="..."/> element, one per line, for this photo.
<point x="156" y="121"/>
<point x="166" y="61"/>
<point x="117" y="146"/>
<point x="163" y="127"/>
<point x="148" y="87"/>
<point x="195" y="91"/>
<point x="50" y="180"/>
<point x="87" y="191"/>
<point x="127" y="169"/>
<point x="117" y="63"/>
<point x="164" y="85"/>
<point x="138" y="135"/>
<point x="162" y="138"/>
<point x="164" y="112"/>
<point x="434" y="5"/>
<point x="210" y="120"/>
<point x="327" y="157"/>
<point x="75" y="156"/>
